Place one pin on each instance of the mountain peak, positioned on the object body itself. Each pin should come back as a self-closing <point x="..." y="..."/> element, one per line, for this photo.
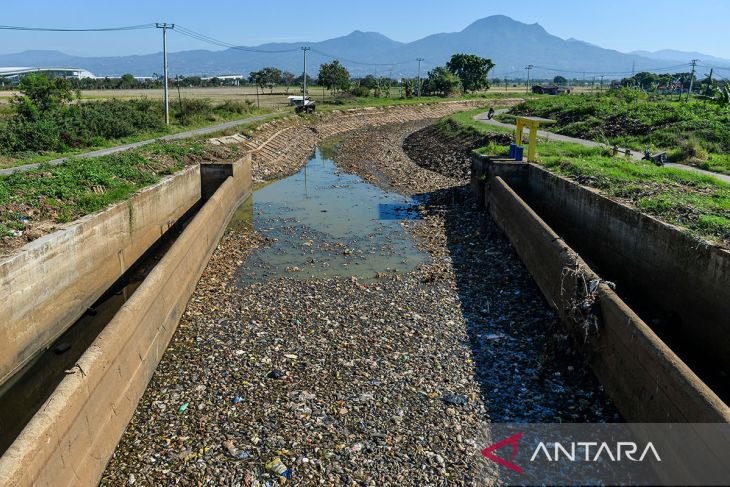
<point x="368" y="35"/>
<point x="501" y="22"/>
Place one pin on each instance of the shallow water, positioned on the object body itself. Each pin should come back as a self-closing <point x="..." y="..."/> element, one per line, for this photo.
<point x="327" y="223"/>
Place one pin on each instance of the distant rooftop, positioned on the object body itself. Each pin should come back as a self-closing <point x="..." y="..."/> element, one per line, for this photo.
<point x="15" y="71"/>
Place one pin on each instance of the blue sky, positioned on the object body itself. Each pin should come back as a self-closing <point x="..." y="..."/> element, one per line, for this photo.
<point x="699" y="25"/>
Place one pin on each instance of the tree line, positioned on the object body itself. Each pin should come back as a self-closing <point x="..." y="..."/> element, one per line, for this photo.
<point x="463" y="73"/>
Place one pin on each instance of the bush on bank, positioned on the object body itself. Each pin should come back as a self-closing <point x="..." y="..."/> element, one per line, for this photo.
<point x="47" y="117"/>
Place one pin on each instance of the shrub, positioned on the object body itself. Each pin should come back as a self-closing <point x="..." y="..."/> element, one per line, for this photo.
<point x="236" y="106"/>
<point x="360" y="91"/>
<point x="689" y="150"/>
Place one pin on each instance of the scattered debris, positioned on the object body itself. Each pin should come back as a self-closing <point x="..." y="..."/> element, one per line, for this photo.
<point x="368" y="362"/>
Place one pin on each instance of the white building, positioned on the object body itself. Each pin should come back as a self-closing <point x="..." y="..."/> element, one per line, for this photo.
<point x="13" y="74"/>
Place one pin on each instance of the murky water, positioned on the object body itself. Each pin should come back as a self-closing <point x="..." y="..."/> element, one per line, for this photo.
<point x="326" y="223"/>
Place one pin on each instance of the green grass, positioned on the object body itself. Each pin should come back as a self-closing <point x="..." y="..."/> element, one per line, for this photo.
<point x="81" y="186"/>
<point x="466" y="119"/>
<point x="175" y="127"/>
<point x="695" y="133"/>
<point x="697" y="202"/>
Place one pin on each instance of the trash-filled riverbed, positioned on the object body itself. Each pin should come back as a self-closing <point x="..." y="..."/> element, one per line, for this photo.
<point x="322" y="222"/>
<point x="382" y="367"/>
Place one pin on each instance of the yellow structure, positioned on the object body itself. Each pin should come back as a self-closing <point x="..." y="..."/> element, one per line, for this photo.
<point x="532" y="123"/>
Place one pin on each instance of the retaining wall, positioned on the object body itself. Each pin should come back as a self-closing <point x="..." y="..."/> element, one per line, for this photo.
<point x="647" y="380"/>
<point x="687" y="280"/>
<point x="71" y="438"/>
<point x="52" y="281"/>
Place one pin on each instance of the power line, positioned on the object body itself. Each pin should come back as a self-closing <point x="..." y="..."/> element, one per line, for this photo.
<point x="607" y="73"/>
<point x="99" y="29"/>
<point x="351" y="61"/>
<point x="211" y="40"/>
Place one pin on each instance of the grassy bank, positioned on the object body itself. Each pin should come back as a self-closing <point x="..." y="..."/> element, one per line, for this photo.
<point x="33" y="200"/>
<point x="91" y="126"/>
<point x="699" y="203"/>
<point x="695" y="133"/>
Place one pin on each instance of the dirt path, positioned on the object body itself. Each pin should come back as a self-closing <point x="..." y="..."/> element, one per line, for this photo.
<point x="390" y="381"/>
<point x="636" y="155"/>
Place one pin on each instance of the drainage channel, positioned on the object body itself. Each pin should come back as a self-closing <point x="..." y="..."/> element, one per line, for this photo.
<point x="670" y="328"/>
<point x="23" y="394"/>
<point x="322" y="222"/>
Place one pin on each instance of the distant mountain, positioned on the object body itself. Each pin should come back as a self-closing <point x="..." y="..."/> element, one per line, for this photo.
<point x="686" y="56"/>
<point x="512" y="45"/>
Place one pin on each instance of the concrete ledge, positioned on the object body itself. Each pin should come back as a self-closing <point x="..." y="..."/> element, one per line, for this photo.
<point x="75" y="432"/>
<point x="688" y="280"/>
<point x="647" y="381"/>
<point x="67" y="271"/>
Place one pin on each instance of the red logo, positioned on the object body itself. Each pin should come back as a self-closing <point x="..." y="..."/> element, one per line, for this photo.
<point x="512" y="440"/>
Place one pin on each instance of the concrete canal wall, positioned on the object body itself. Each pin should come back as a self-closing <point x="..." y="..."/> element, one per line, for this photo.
<point x="69" y="441"/>
<point x="52" y="281"/>
<point x="646" y="379"/>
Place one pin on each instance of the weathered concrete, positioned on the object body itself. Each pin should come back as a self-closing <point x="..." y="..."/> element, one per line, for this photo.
<point x="666" y="268"/>
<point x="211" y="177"/>
<point x="71" y="438"/>
<point x="646" y="379"/>
<point x="67" y="271"/>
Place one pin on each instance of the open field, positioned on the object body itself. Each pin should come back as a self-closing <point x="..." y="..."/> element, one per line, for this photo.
<point x="696" y="133"/>
<point x="276" y="98"/>
<point x="139" y="116"/>
<point x="267" y="98"/>
<point x="693" y="201"/>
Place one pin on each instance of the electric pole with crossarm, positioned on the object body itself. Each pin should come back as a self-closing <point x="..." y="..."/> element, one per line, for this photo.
<point x="692" y="77"/>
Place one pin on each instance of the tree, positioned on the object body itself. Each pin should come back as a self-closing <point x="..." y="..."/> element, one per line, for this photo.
<point x="288" y="79"/>
<point x="408" y="88"/>
<point x="40" y="96"/>
<point x="266" y="78"/>
<point x="369" y="82"/>
<point x="127" y="81"/>
<point x="271" y="77"/>
<point x="258" y="78"/>
<point x="560" y="80"/>
<point x="441" y="81"/>
<point x="471" y="69"/>
<point x="334" y="76"/>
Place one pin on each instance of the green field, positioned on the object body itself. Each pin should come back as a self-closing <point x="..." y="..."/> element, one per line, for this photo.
<point x="696" y="133"/>
<point x="98" y="119"/>
<point x="699" y="203"/>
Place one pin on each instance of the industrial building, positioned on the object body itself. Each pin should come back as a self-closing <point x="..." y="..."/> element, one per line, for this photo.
<point x="13" y="74"/>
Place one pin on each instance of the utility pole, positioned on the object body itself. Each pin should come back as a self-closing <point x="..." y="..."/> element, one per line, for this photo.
<point x="602" y="76"/>
<point x="692" y="77"/>
<point x="418" y="79"/>
<point x="527" y="86"/>
<point x="304" y="80"/>
<point x="164" y="26"/>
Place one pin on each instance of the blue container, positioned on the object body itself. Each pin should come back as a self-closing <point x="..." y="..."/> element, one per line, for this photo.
<point x="519" y="153"/>
<point x="512" y="150"/>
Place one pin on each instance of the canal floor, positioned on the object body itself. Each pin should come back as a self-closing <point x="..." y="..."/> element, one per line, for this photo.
<point x="371" y="344"/>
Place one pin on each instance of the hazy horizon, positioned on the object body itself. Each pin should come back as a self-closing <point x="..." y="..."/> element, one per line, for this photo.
<point x="624" y="26"/>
